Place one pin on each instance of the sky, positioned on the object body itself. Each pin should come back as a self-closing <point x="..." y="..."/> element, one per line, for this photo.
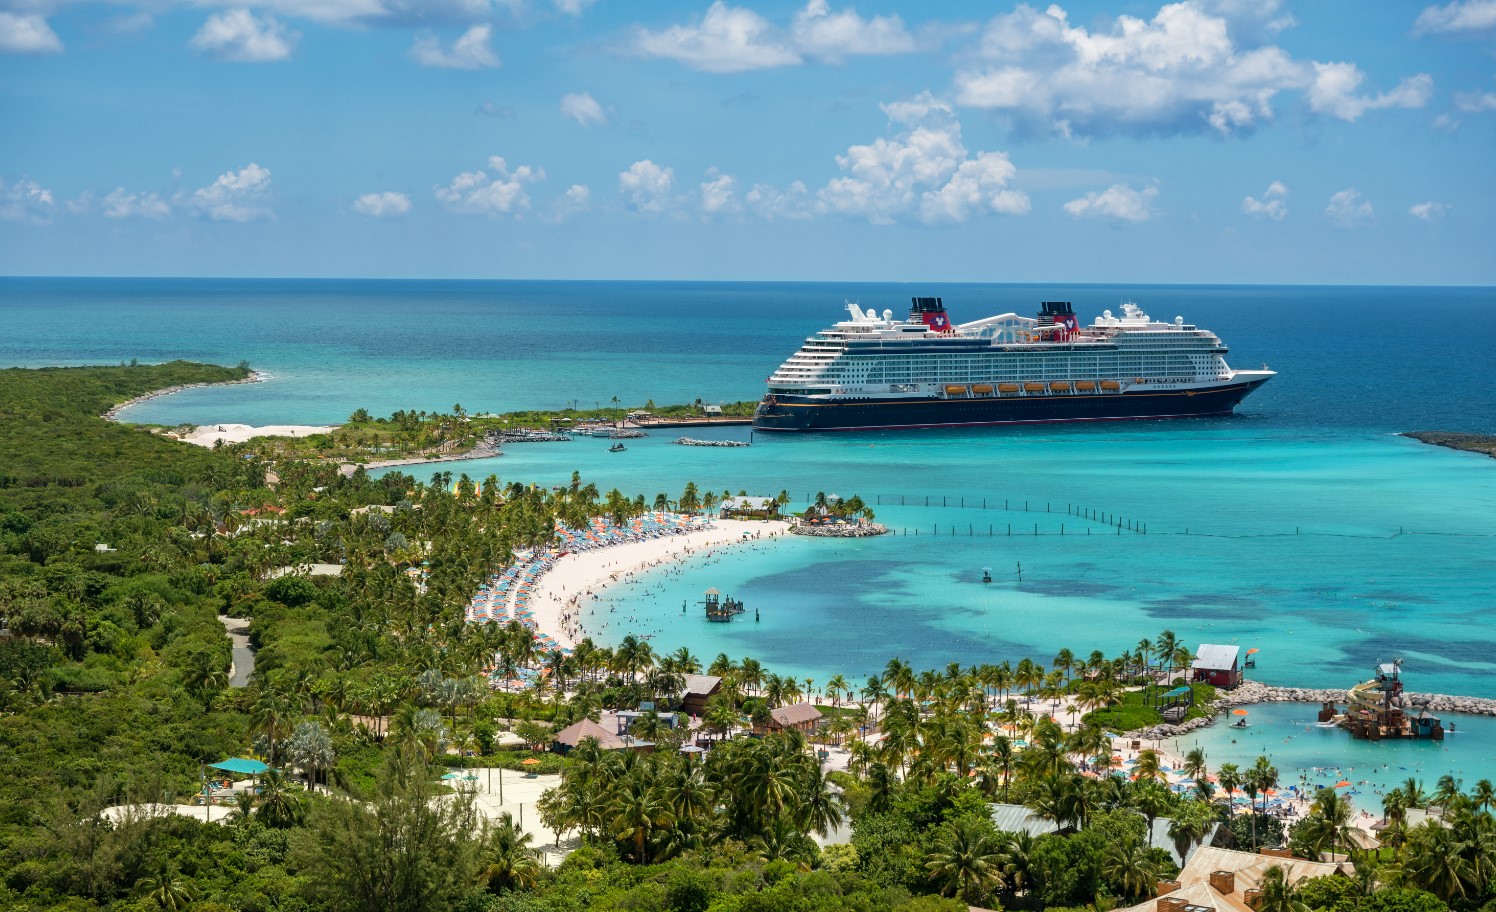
<point x="1207" y="141"/>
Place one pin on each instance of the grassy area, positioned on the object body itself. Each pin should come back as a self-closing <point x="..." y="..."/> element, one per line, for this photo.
<point x="1133" y="711"/>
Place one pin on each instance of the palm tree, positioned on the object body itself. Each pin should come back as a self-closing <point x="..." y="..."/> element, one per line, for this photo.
<point x="1436" y="861"/>
<point x="966" y="862"/>
<point x="1152" y="799"/>
<point x="835" y="688"/>
<point x="1148" y="768"/>
<point x="1484" y="794"/>
<point x="511" y="862"/>
<point x="1191" y="821"/>
<point x="1278" y="895"/>
<point x="637" y="810"/>
<point x="280" y="807"/>
<point x="165" y="888"/>
<point x="1129" y="866"/>
<point x="1194" y="764"/>
<point x="1229" y="776"/>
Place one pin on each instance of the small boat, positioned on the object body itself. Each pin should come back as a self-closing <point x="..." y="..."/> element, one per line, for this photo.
<point x="986" y="574"/>
<point x="1239" y="723"/>
<point x="616" y="448"/>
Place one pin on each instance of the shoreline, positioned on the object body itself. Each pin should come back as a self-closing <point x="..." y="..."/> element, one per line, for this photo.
<point x="575" y="576"/>
<point x="113" y="414"/>
<point x="481" y="451"/>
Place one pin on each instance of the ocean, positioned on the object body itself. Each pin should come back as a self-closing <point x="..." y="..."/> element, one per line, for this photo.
<point x="1303" y="526"/>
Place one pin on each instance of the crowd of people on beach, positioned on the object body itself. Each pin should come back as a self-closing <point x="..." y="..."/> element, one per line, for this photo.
<point x="511" y="594"/>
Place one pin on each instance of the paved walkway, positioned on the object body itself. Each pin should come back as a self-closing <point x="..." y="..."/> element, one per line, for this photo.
<point x="244" y="657"/>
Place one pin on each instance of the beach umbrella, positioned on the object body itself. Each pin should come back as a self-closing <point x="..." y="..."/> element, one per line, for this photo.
<point x="529" y="761"/>
<point x="692" y="749"/>
<point x="1238" y="712"/>
<point x="1252" y="651"/>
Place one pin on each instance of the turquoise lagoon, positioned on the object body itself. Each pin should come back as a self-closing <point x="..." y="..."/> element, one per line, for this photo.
<point x="1314" y="757"/>
<point x="1314" y="532"/>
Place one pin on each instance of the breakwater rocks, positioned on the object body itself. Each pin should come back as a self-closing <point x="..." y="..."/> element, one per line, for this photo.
<point x="113" y="414"/>
<point x="692" y="441"/>
<point x="1473" y="443"/>
<point x="524" y="436"/>
<point x="838" y="530"/>
<point x="1257" y="692"/>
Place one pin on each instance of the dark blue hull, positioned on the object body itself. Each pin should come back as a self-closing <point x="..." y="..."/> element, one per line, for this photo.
<point x="798" y="413"/>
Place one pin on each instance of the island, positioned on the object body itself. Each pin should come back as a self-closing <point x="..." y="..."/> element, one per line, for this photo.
<point x="1470" y="443"/>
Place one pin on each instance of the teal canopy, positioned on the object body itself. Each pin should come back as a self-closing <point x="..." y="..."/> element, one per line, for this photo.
<point x="1177" y="692"/>
<point x="240" y="765"/>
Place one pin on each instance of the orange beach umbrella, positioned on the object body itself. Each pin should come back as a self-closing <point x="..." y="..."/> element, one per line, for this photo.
<point x="1238" y="712"/>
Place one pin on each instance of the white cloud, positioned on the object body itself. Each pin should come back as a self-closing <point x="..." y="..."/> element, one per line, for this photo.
<point x="1447" y="123"/>
<point x="240" y="36"/>
<point x="1180" y="71"/>
<point x="475" y="193"/>
<point x="819" y="32"/>
<point x="27" y="34"/>
<point x="731" y="39"/>
<point x="572" y="7"/>
<point x="1118" y="203"/>
<point x="1475" y="102"/>
<point x="1348" y="210"/>
<point x="237" y="196"/>
<point x="727" y="40"/>
<point x="645" y="186"/>
<point x="1459" y="16"/>
<point x="583" y="108"/>
<point x="469" y="52"/>
<point x="771" y="203"/>
<point x="1195" y="66"/>
<point x="1429" y="211"/>
<point x="1272" y="205"/>
<point x="121" y="205"/>
<point x="577" y="198"/>
<point x="381" y="204"/>
<point x="1334" y="92"/>
<point x="719" y="194"/>
<point x="922" y="171"/>
<point x="25" y="200"/>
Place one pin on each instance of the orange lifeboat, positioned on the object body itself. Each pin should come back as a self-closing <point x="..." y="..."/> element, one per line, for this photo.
<point x="1084" y="386"/>
<point x="1032" y="387"/>
<point x="1007" y="387"/>
<point x="1060" y="386"/>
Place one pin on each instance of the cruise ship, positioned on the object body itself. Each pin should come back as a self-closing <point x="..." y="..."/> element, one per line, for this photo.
<point x="871" y="371"/>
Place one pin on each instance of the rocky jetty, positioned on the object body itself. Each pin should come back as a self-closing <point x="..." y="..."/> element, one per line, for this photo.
<point x="692" y="441"/>
<point x="113" y="414"/>
<point x="1471" y="443"/>
<point x="839" y="530"/>
<point x="525" y="436"/>
<point x="1257" y="692"/>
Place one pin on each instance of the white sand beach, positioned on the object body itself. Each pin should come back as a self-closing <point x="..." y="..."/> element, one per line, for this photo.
<point x="558" y="597"/>
<point x="209" y="434"/>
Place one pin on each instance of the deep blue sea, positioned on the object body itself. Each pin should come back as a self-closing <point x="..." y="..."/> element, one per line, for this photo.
<point x="1303" y="525"/>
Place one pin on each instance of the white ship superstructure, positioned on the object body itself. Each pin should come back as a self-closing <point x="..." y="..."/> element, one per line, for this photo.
<point x="872" y="358"/>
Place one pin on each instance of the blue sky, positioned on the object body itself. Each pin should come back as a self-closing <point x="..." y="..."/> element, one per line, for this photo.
<point x="1205" y="141"/>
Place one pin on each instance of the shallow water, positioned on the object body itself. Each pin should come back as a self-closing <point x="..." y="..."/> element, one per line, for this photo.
<point x="1315" y="757"/>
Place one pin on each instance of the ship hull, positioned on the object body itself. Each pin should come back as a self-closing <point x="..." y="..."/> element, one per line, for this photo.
<point x="799" y="413"/>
